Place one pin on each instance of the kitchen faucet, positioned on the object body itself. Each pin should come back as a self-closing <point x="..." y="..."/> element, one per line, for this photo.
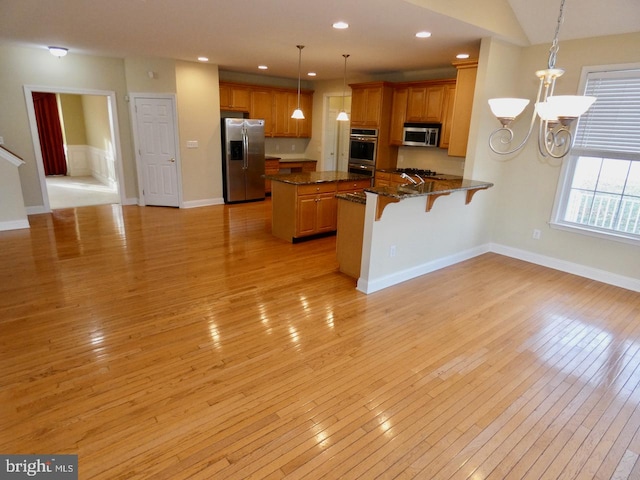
<point x="410" y="178"/>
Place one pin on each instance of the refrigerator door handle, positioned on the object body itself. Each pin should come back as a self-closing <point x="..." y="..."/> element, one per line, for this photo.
<point x="245" y="149"/>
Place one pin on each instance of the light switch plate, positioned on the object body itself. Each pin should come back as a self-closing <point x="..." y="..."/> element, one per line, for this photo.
<point x="192" y="144"/>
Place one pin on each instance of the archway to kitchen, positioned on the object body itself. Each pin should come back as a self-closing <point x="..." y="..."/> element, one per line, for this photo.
<point x="335" y="146"/>
<point x="94" y="169"/>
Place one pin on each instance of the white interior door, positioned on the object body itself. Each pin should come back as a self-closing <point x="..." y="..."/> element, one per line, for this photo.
<point x="330" y="139"/>
<point x="155" y="119"/>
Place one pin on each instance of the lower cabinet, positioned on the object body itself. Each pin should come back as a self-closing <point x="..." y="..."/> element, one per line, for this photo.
<point x="316" y="214"/>
<point x="304" y="210"/>
<point x="349" y="238"/>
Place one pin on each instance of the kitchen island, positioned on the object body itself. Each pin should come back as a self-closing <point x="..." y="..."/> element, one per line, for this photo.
<point x="304" y="204"/>
<point x="401" y="232"/>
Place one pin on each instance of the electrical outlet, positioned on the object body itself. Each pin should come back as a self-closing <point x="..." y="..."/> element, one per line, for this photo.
<point x="392" y="251"/>
<point x="293" y="148"/>
<point x="536" y="234"/>
<point x="1" y="140"/>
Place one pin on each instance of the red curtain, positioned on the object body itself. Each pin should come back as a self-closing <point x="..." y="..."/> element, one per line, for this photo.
<point x="50" y="133"/>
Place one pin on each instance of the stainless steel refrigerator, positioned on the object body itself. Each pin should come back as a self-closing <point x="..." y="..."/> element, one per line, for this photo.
<point x="242" y="159"/>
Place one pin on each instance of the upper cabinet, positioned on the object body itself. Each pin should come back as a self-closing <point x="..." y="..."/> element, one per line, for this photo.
<point x="283" y="106"/>
<point x="447" y="115"/>
<point x="448" y="102"/>
<point x="398" y="114"/>
<point x="463" y="104"/>
<point x="306" y="104"/>
<point x="424" y="103"/>
<point x="262" y="107"/>
<point x="366" y="103"/>
<point x="234" y="97"/>
<point x="274" y="105"/>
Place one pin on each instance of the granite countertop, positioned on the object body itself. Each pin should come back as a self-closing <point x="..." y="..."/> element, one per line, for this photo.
<point x="288" y="160"/>
<point x="308" y="178"/>
<point x="437" y="186"/>
<point x="359" y="197"/>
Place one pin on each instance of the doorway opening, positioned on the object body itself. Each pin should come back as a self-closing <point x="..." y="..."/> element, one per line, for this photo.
<point x="336" y="134"/>
<point x="77" y="147"/>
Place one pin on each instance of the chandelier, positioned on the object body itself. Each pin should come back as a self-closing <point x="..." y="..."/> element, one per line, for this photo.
<point x="556" y="112"/>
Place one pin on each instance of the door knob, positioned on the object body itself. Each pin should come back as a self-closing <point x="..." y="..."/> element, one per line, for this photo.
<point x="172" y="160"/>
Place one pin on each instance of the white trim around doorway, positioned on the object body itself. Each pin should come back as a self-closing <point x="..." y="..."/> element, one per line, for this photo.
<point x="115" y="134"/>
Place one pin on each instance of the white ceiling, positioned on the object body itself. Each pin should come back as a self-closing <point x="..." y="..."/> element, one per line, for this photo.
<point x="238" y="35"/>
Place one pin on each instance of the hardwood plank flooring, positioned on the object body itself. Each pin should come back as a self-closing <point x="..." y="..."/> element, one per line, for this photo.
<point x="192" y="344"/>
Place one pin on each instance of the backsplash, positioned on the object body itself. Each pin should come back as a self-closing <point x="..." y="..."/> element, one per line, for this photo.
<point x="430" y="159"/>
<point x="286" y="147"/>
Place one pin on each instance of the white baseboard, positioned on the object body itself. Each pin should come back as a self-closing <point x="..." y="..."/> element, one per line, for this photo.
<point x="14" y="225"/>
<point x="569" y="267"/>
<point x="413" y="272"/>
<point x="38" y="209"/>
<point x="603" y="276"/>
<point x="203" y="203"/>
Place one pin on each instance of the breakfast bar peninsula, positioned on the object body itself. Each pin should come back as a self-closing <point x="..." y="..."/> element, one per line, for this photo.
<point x="390" y="234"/>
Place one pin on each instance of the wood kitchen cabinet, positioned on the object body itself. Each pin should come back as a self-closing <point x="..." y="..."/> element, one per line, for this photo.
<point x="305" y="209"/>
<point x="398" y="115"/>
<point x="369" y="103"/>
<point x="371" y="108"/>
<point x="382" y="179"/>
<point x="262" y="107"/>
<point x="461" y="115"/>
<point x="303" y="127"/>
<point x="353" y="186"/>
<point x="447" y="115"/>
<point x="273" y="104"/>
<point x="284" y="103"/>
<point x="424" y="103"/>
<point x="235" y="97"/>
<point x="317" y="209"/>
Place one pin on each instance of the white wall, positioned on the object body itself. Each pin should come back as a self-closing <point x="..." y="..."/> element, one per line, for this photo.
<point x="37" y="67"/>
<point x="13" y="214"/>
<point x="526" y="184"/>
<point x="199" y="119"/>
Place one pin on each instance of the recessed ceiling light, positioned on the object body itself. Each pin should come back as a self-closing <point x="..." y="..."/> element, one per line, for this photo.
<point x="203" y="59"/>
<point x="263" y="67"/>
<point x="462" y="56"/>
<point x="423" y="34"/>
<point x="311" y="74"/>
<point x="341" y="25"/>
<point x="58" y="51"/>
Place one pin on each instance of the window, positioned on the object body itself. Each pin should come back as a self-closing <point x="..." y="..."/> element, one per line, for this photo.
<point x="599" y="191"/>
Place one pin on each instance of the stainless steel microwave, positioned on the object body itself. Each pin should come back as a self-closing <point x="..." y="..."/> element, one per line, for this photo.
<point x="421" y="134"/>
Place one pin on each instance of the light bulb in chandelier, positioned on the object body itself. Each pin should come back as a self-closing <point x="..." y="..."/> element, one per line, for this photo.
<point x="556" y="113"/>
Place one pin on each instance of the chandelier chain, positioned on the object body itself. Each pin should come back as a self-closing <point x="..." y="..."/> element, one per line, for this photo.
<point x="553" y="51"/>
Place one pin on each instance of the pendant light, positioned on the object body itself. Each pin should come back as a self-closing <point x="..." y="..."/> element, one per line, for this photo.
<point x="297" y="113"/>
<point x="556" y="113"/>
<point x="342" y="116"/>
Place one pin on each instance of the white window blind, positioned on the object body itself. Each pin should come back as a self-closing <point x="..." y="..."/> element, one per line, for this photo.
<point x="599" y="193"/>
<point x="612" y="124"/>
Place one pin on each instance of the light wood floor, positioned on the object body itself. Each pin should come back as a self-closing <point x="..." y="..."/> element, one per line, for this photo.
<point x="160" y="343"/>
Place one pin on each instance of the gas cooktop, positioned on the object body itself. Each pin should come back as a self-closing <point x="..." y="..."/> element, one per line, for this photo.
<point x="417" y="171"/>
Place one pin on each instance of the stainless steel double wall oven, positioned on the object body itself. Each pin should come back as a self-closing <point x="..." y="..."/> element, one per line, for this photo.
<point x="363" y="149"/>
